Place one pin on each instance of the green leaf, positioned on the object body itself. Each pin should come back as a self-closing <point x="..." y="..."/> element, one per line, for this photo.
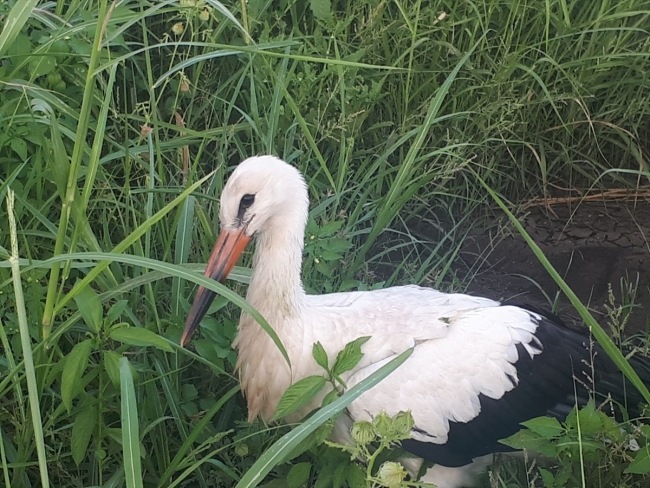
<point x="323" y="268"/>
<point x="641" y="463"/>
<point x="299" y="394"/>
<point x="589" y="419"/>
<point x="298" y="475"/>
<point x="527" y="439"/>
<point x="349" y="357"/>
<point x="130" y="427"/>
<point x="90" y="308"/>
<point x="339" y="476"/>
<point x="183" y="244"/>
<point x="547" y="478"/>
<point x="75" y="365"/>
<point x="546" y="427"/>
<point x="138" y="336"/>
<point x="611" y="429"/>
<point x="20" y="147"/>
<point x="41" y="65"/>
<point x="330" y="228"/>
<point x="82" y="431"/>
<point x="116" y="310"/>
<point x="14" y="22"/>
<point x="267" y="461"/>
<point x="330" y="256"/>
<point x="319" y="354"/>
<point x="338" y="245"/>
<point x="355" y="475"/>
<point x="112" y="366"/>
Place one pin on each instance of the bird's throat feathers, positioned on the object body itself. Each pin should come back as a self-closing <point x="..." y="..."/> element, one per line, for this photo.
<point x="276" y="292"/>
<point x="276" y="288"/>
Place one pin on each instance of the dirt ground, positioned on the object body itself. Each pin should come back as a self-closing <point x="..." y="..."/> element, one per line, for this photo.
<point x="592" y="245"/>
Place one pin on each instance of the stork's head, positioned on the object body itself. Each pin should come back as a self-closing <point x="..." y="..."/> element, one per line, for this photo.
<point x="263" y="194"/>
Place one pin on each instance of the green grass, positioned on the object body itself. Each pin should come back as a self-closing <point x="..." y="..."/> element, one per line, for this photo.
<point x="118" y="134"/>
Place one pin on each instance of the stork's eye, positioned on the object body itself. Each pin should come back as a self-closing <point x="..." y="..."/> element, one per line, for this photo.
<point x="245" y="202"/>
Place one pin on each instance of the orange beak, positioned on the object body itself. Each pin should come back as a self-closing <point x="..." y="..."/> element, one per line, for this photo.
<point x="226" y="251"/>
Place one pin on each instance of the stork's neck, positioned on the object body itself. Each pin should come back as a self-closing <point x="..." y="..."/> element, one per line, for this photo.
<point x="276" y="289"/>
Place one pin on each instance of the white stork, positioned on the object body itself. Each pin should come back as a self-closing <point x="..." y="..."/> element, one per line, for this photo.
<point x="479" y="368"/>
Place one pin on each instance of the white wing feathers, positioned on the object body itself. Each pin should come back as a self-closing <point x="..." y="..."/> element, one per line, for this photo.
<point x="446" y="373"/>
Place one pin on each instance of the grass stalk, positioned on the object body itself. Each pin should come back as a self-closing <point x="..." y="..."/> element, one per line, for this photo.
<point x="75" y="165"/>
<point x="26" y="343"/>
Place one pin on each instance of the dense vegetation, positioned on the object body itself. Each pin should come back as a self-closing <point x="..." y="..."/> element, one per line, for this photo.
<point x="121" y="121"/>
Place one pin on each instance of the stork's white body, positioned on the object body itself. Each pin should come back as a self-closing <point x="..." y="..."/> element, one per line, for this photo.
<point x="469" y="352"/>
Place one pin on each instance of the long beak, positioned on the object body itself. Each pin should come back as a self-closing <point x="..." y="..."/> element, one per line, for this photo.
<point x="226" y="251"/>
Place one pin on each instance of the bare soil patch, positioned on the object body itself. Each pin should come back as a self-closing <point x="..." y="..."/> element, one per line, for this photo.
<point x="591" y="245"/>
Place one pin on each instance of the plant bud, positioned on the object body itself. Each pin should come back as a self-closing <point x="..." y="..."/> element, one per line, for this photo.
<point x="384" y="424"/>
<point x="391" y="474"/>
<point x="241" y="450"/>
<point x="363" y="432"/>
<point x="178" y="28"/>
<point x="403" y="423"/>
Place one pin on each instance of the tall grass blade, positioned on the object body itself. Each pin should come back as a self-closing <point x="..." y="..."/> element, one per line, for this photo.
<point x="182" y="247"/>
<point x="181" y="272"/>
<point x="14" y="23"/>
<point x="390" y="206"/>
<point x="129" y="240"/>
<point x="278" y="451"/>
<point x="26" y="343"/>
<point x="194" y="435"/>
<point x="130" y="427"/>
<point x="75" y="166"/>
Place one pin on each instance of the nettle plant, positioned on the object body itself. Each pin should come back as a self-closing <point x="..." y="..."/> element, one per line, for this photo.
<point x="583" y="444"/>
<point x="373" y="458"/>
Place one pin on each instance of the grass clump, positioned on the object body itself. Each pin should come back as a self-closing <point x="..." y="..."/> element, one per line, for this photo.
<point x="121" y="121"/>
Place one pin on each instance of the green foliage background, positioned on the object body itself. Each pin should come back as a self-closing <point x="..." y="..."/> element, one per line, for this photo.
<point x="121" y="120"/>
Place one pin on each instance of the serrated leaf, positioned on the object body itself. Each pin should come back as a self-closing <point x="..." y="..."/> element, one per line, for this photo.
<point x="138" y="336"/>
<point x="75" y="365"/>
<point x="355" y="475"/>
<point x="641" y="463"/>
<point x="349" y="357"/>
<point x="82" y="431"/>
<point x="298" y="395"/>
<point x="527" y="439"/>
<point x="324" y="477"/>
<point x="611" y="429"/>
<point x="112" y="366"/>
<point x="339" y="475"/>
<point x="546" y="427"/>
<point x="319" y="354"/>
<point x="338" y="245"/>
<point x="330" y="228"/>
<point x="90" y="308"/>
<point x="298" y="475"/>
<point x="589" y="419"/>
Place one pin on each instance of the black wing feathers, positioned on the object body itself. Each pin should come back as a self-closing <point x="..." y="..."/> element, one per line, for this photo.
<point x="548" y="384"/>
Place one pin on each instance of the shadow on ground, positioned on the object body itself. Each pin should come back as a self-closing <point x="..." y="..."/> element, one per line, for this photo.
<point x="593" y="246"/>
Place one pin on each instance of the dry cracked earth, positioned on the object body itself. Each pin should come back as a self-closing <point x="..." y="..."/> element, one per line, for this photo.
<point x="592" y="245"/>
